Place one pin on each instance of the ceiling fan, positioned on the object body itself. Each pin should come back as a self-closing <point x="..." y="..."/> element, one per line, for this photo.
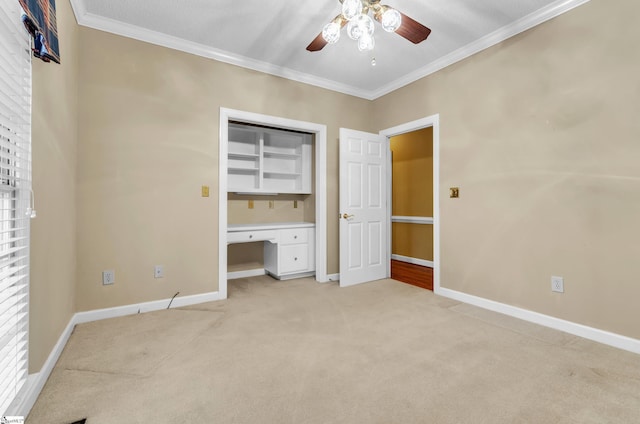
<point x="360" y="26"/>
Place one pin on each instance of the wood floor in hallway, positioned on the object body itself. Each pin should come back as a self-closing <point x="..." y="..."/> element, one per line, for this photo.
<point x="416" y="275"/>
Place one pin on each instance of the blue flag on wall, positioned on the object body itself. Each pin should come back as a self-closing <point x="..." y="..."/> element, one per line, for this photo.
<point x="40" y="21"/>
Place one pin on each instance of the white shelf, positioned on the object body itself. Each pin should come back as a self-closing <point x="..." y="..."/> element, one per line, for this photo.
<point x="280" y="160"/>
<point x="283" y="174"/>
<point x="243" y="155"/>
<point x="281" y="154"/>
<point x="240" y="169"/>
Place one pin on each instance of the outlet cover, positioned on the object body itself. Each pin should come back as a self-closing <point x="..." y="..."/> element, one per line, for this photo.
<point x="108" y="277"/>
<point x="158" y="271"/>
<point x="557" y="284"/>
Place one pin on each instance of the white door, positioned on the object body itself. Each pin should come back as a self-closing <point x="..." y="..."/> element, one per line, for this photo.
<point x="363" y="207"/>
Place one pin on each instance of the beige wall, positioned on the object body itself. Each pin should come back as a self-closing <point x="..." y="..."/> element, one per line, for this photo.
<point x="541" y="134"/>
<point x="148" y="139"/>
<point x="53" y="232"/>
<point x="412" y="181"/>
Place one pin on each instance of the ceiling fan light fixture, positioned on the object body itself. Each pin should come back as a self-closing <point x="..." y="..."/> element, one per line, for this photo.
<point x="362" y="24"/>
<point x="331" y="32"/>
<point x="366" y="42"/>
<point x="351" y="9"/>
<point x="391" y="20"/>
<point x="353" y="30"/>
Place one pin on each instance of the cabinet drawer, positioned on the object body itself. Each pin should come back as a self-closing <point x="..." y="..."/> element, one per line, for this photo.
<point x="293" y="258"/>
<point x="294" y="235"/>
<point x="249" y="236"/>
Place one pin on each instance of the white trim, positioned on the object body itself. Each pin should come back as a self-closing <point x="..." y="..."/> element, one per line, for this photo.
<point x="536" y="18"/>
<point x="430" y="121"/>
<point x="27" y="397"/>
<point x="594" y="334"/>
<point x="246" y="274"/>
<point x="91" y="20"/>
<point x="112" y="26"/>
<point x="320" y="189"/>
<point x="333" y="277"/>
<point x="413" y="219"/>
<point x="389" y="250"/>
<point x="410" y="260"/>
<point x="156" y="305"/>
<point x="35" y="382"/>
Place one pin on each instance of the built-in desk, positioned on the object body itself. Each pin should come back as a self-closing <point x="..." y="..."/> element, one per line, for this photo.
<point x="289" y="247"/>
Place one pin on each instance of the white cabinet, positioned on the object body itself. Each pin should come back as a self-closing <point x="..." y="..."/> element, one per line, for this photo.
<point x="293" y="256"/>
<point x="268" y="161"/>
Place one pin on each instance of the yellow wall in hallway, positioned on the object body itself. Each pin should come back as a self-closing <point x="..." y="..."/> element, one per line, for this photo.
<point x="412" y="181"/>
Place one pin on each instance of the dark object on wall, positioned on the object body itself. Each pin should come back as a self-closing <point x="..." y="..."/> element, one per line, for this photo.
<point x="40" y="21"/>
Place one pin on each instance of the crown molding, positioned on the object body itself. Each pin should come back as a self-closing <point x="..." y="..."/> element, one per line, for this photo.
<point x="91" y="20"/>
<point x="540" y="16"/>
<point x="112" y="26"/>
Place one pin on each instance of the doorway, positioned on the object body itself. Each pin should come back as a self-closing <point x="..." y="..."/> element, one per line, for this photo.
<point x="403" y="263"/>
<point x="412" y="208"/>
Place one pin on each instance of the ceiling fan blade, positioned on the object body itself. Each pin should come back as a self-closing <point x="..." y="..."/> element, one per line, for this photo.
<point x="412" y="30"/>
<point x="317" y="44"/>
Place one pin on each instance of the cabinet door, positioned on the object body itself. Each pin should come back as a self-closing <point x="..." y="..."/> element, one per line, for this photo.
<point x="293" y="258"/>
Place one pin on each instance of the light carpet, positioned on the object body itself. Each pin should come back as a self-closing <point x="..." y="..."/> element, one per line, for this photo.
<point x="302" y="352"/>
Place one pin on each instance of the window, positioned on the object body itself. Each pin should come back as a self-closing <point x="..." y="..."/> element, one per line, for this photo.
<point x="15" y="198"/>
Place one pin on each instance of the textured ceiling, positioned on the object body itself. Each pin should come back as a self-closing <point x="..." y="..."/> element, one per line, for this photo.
<point x="271" y="36"/>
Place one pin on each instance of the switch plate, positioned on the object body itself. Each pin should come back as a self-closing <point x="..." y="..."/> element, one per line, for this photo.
<point x="557" y="284"/>
<point x="454" y="192"/>
<point x="250" y="202"/>
<point x="158" y="271"/>
<point x="108" y="277"/>
<point x="205" y="191"/>
<point x="272" y="204"/>
<point x="295" y="204"/>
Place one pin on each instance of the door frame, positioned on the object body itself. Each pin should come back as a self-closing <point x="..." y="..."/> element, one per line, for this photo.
<point x="320" y="189"/>
<point x="418" y="124"/>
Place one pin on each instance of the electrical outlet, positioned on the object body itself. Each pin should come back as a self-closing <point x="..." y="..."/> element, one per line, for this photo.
<point x="557" y="284"/>
<point x="295" y="204"/>
<point x="108" y="277"/>
<point x="272" y="204"/>
<point x="205" y="191"/>
<point x="158" y="271"/>
<point x="250" y="204"/>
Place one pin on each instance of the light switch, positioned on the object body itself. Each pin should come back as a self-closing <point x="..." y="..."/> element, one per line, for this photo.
<point x="205" y="191"/>
<point x="272" y="204"/>
<point x="250" y="202"/>
<point x="454" y="192"/>
<point x="295" y="204"/>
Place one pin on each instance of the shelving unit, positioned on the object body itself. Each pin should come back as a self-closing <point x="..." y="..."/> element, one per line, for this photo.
<point x="268" y="161"/>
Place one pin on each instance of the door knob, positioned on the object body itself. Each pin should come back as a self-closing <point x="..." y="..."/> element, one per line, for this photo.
<point x="347" y="216"/>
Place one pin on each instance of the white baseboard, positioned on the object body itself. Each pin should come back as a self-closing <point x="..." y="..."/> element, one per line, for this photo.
<point x="600" y="336"/>
<point x="156" y="305"/>
<point x="415" y="261"/>
<point x="246" y="274"/>
<point x="333" y="277"/>
<point x="27" y="397"/>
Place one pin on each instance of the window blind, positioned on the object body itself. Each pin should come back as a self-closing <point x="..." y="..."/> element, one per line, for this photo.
<point x="15" y="198"/>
